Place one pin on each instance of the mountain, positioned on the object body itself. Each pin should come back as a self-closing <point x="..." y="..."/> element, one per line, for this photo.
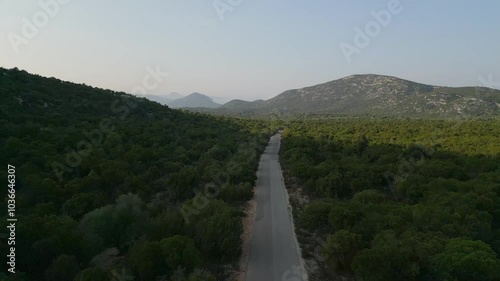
<point x="194" y="100"/>
<point x="242" y="104"/>
<point x="174" y="100"/>
<point x="376" y="95"/>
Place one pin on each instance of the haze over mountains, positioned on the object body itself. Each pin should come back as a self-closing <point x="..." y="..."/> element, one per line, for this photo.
<point x="376" y="95"/>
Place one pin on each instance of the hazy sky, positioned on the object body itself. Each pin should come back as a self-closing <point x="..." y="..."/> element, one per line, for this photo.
<point x="250" y="48"/>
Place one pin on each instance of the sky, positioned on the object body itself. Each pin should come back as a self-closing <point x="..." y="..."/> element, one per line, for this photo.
<point x="250" y="49"/>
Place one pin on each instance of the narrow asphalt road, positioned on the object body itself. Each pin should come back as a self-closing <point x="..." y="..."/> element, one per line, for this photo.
<point x="273" y="251"/>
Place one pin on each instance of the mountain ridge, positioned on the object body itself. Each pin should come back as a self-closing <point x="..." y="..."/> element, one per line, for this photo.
<point x="373" y="94"/>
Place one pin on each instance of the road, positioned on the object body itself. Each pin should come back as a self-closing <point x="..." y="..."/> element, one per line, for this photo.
<point x="273" y="251"/>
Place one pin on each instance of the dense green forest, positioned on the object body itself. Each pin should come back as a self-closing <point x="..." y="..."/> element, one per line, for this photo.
<point x="398" y="199"/>
<point x="111" y="185"/>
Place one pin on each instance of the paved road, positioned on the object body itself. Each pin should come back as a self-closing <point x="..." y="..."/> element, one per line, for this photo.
<point x="273" y="253"/>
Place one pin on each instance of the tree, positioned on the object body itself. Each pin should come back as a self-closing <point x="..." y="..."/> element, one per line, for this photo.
<point x="341" y="248"/>
<point x="389" y="258"/>
<point x="82" y="203"/>
<point x="372" y="266"/>
<point x="220" y="236"/>
<point x="216" y="228"/>
<point x="93" y="274"/>
<point x="63" y="268"/>
<point x="315" y="215"/>
<point x="168" y="223"/>
<point x="369" y="196"/>
<point x="180" y="251"/>
<point x="467" y="260"/>
<point x="118" y="224"/>
<point x="239" y="193"/>
<point x="147" y="260"/>
<point x="201" y="276"/>
<point x="362" y="144"/>
<point x="340" y="217"/>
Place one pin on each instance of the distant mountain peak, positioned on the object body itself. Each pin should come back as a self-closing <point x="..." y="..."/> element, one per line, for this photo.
<point x="194" y="100"/>
<point x="198" y="95"/>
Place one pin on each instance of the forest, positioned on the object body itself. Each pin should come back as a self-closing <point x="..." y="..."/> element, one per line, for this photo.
<point x="110" y="186"/>
<point x="389" y="199"/>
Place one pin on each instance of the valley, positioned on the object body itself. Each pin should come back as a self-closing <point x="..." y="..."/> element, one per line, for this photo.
<point x="231" y="140"/>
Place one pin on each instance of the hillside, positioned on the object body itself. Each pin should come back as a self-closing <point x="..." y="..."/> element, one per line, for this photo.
<point x="105" y="181"/>
<point x="241" y="104"/>
<point x="379" y="96"/>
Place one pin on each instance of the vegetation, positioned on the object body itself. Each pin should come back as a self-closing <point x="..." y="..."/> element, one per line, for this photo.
<point x="107" y="183"/>
<point x="400" y="199"/>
